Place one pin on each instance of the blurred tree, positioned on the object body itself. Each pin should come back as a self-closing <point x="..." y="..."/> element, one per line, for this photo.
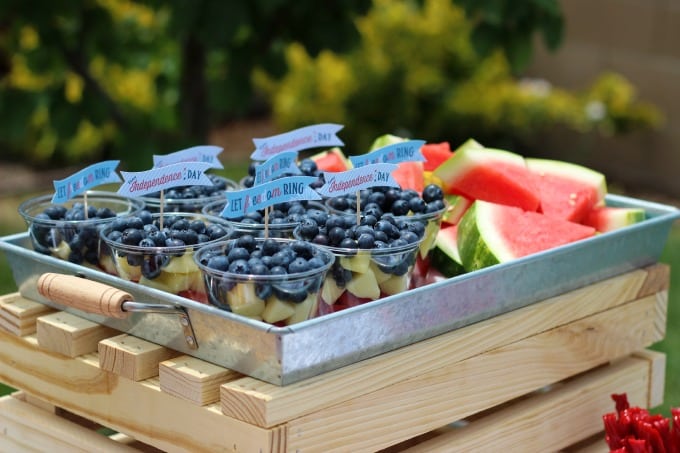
<point x="89" y="79"/>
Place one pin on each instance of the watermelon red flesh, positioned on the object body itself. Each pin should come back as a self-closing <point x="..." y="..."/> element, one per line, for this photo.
<point x="567" y="191"/>
<point x="332" y="160"/>
<point x="435" y="154"/>
<point x="410" y="175"/>
<point x="491" y="175"/>
<point x="491" y="233"/>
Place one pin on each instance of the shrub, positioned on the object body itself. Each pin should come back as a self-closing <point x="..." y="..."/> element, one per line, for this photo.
<point x="416" y="74"/>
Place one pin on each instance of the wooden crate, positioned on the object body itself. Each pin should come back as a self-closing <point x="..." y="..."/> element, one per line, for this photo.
<point x="535" y="379"/>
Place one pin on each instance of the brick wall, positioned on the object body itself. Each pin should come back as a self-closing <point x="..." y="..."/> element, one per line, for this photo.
<point x="639" y="39"/>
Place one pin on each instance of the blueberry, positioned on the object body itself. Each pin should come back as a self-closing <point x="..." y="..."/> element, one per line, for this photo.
<point x="283" y="257"/>
<point x="336" y="235"/>
<point x="409" y="236"/>
<point x="432" y="192"/>
<point x="145" y="216"/>
<point x="298" y="265"/>
<point x="189" y="237"/>
<point x="135" y="222"/>
<point x="302" y="249"/>
<point x="151" y="268"/>
<point x="269" y="247"/>
<point x="147" y="242"/>
<point x="238" y="253"/>
<point x="239" y="266"/>
<point x="348" y="243"/>
<point x="263" y="290"/>
<point x="131" y="236"/>
<point x="400" y="207"/>
<point x="218" y="262"/>
<point x="55" y="212"/>
<point x="318" y="216"/>
<point x="308" y="228"/>
<point x="198" y="226"/>
<point x="366" y="241"/>
<point x="278" y="270"/>
<point x="247" y="241"/>
<point x="215" y="231"/>
<point x="416" y="205"/>
<point x="435" y="206"/>
<point x="75" y="256"/>
<point x="320" y="239"/>
<point x="316" y="263"/>
<point x="158" y="237"/>
<point x="105" y="213"/>
<point x="258" y="269"/>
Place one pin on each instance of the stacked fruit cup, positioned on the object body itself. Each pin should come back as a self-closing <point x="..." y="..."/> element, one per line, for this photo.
<point x="190" y="198"/>
<point x="70" y="231"/>
<point x="423" y="212"/>
<point x="156" y="250"/>
<point x="374" y="258"/>
<point x="275" y="280"/>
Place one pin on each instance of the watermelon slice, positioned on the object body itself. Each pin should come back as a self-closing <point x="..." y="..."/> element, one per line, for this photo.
<point x="409" y="175"/>
<point x="567" y="191"/>
<point x="488" y="174"/>
<point x="457" y="206"/>
<point x="435" y="154"/>
<point x="491" y="233"/>
<point x="445" y="257"/>
<point x="608" y="218"/>
<point x="332" y="160"/>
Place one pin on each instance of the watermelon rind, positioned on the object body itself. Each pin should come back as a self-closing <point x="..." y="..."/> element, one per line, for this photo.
<point x="473" y="243"/>
<point x="609" y="218"/>
<point x="384" y="140"/>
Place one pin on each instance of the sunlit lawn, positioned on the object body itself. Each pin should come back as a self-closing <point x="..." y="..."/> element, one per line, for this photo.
<point x="10" y="222"/>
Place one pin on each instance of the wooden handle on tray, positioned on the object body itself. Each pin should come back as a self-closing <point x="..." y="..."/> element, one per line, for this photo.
<point x="83" y="294"/>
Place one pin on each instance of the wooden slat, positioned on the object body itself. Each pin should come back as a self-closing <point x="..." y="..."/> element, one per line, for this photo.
<point x="139" y="409"/>
<point x="193" y="379"/>
<point x="132" y="357"/>
<point x="657" y="384"/>
<point x="267" y="405"/>
<point x="553" y="420"/>
<point x="44" y="431"/>
<point x="69" y="334"/>
<point x="457" y="390"/>
<point x="18" y="315"/>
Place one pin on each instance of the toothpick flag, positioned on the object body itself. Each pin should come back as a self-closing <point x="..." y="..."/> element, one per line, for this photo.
<point x="160" y="178"/>
<point x="205" y="153"/>
<point x="85" y="179"/>
<point x="276" y="166"/>
<point x="395" y="153"/>
<point x="351" y="181"/>
<point x="242" y="202"/>
<point x="318" y="135"/>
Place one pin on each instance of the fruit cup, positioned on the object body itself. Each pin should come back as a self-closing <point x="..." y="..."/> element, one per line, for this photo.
<point x="66" y="231"/>
<point x="161" y="256"/>
<point x="190" y="198"/>
<point x="277" y="281"/>
<point x="373" y="259"/>
<point x="283" y="218"/>
<point x="426" y="209"/>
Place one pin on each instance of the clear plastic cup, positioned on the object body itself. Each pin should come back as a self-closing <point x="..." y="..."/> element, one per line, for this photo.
<point x="361" y="275"/>
<point x="65" y="232"/>
<point x="269" y="294"/>
<point x="282" y="219"/>
<point x="190" y="198"/>
<point x="164" y="260"/>
<point x="431" y="221"/>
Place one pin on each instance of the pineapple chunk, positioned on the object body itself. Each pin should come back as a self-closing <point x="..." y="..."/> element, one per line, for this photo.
<point x="277" y="310"/>
<point x="243" y="300"/>
<point x="364" y="285"/>
<point x="181" y="264"/>
<point x="395" y="284"/>
<point x="356" y="263"/>
<point x="330" y="291"/>
<point x="305" y="309"/>
<point x="380" y="276"/>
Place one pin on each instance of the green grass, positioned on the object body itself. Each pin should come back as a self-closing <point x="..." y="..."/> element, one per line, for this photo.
<point x="10" y="222"/>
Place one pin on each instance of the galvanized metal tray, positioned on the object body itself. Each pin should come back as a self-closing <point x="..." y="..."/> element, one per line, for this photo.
<point x="283" y="355"/>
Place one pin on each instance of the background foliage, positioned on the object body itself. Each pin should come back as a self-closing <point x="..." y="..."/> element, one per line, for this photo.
<point x="92" y="79"/>
<point x="415" y="72"/>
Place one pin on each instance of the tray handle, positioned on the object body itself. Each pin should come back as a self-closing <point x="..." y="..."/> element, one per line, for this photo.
<point x="83" y="294"/>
